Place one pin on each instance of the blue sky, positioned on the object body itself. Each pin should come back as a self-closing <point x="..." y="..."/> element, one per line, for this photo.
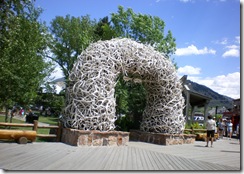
<point x="207" y="34"/>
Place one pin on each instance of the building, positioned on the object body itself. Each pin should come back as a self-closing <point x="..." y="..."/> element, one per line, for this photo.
<point x="234" y="114"/>
<point x="193" y="100"/>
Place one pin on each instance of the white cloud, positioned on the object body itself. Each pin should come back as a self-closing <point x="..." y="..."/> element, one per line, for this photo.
<point x="189" y="70"/>
<point x="193" y="50"/>
<point x="228" y="85"/>
<point x="237" y="39"/>
<point x="233" y="51"/>
<point x="223" y="41"/>
<point x="232" y="47"/>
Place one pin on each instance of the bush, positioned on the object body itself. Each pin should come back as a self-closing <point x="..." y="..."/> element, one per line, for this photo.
<point x="195" y="125"/>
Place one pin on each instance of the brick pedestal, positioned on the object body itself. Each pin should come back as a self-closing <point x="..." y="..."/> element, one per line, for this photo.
<point x="94" y="138"/>
<point x="162" y="138"/>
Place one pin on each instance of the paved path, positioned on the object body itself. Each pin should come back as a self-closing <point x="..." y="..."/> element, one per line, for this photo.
<point x="224" y="156"/>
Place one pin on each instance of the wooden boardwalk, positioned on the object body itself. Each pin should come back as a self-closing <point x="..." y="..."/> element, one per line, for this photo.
<point x="225" y="155"/>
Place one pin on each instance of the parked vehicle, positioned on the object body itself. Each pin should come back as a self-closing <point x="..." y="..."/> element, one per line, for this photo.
<point x="199" y="117"/>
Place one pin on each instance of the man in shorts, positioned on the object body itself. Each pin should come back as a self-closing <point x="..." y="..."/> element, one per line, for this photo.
<point x="210" y="129"/>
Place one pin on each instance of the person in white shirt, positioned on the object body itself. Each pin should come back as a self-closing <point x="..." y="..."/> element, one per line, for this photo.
<point x="211" y="124"/>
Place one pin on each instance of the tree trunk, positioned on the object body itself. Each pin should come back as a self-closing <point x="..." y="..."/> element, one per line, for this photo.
<point x="11" y="118"/>
<point x="6" y="113"/>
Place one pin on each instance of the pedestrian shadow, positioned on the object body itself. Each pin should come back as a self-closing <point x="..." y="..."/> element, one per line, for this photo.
<point x="229" y="151"/>
<point x="235" y="143"/>
<point x="200" y="146"/>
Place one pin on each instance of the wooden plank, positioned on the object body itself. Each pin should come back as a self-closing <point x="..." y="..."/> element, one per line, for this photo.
<point x="167" y="162"/>
<point x="48" y="126"/>
<point x="147" y="160"/>
<point x="120" y="159"/>
<point x="23" y="157"/>
<point x="117" y="159"/>
<point x="70" y="159"/>
<point x="98" y="159"/>
<point x="128" y="159"/>
<point x="59" y="156"/>
<point x="46" y="135"/>
<point x="125" y="153"/>
<point x="152" y="158"/>
<point x="39" y="162"/>
<point x="192" y="164"/>
<point x="157" y="161"/>
<point x="113" y="160"/>
<point x="89" y="159"/>
<point x="133" y="158"/>
<point x="164" y="163"/>
<point x="138" y="159"/>
<point x="110" y="157"/>
<point x="16" y="124"/>
<point x="176" y="163"/>
<point x="142" y="159"/>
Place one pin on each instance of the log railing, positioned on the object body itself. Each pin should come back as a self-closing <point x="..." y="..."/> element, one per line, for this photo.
<point x="35" y="127"/>
<point x="193" y="131"/>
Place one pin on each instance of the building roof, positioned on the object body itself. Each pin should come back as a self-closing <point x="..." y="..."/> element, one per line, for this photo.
<point x="196" y="99"/>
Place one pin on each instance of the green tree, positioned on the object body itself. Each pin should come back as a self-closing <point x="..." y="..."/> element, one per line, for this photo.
<point x="104" y="31"/>
<point x="51" y="100"/>
<point x="130" y="104"/>
<point x="71" y="35"/>
<point x="146" y="29"/>
<point x="23" y="41"/>
<point x="143" y="28"/>
<point x="122" y="96"/>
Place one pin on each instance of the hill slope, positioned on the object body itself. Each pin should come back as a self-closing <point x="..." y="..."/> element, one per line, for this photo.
<point x="217" y="99"/>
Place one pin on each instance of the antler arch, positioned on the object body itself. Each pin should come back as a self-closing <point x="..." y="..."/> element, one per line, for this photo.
<point x="91" y="102"/>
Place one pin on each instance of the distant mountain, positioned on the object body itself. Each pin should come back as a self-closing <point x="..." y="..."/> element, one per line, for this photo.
<point x="217" y="99"/>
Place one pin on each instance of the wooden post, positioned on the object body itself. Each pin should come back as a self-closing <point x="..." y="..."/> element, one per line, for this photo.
<point x="192" y="130"/>
<point x="35" y="126"/>
<point x="206" y="111"/>
<point x="187" y="107"/>
<point x="59" y="132"/>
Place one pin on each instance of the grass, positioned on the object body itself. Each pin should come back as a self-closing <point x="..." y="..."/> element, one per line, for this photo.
<point x="48" y="120"/>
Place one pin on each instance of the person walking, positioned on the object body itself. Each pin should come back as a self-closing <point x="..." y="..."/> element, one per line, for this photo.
<point x="238" y="132"/>
<point x="229" y="129"/>
<point x="221" y="127"/>
<point x="225" y="128"/>
<point x="211" y="124"/>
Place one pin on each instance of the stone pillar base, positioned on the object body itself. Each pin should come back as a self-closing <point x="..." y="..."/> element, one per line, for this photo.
<point x="94" y="138"/>
<point x="162" y="138"/>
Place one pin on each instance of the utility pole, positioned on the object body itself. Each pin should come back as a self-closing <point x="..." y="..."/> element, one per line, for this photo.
<point x="216" y="111"/>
